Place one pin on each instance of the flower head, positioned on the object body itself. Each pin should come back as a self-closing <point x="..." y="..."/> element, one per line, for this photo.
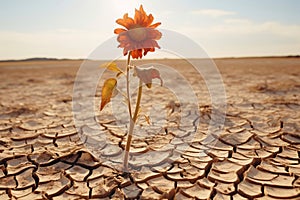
<point x="140" y="34"/>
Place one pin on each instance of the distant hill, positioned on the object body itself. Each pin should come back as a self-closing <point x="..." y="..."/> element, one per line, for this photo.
<point x="38" y="59"/>
<point x="68" y="59"/>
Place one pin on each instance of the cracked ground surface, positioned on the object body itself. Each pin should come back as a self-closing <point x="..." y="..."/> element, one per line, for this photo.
<point x="256" y="155"/>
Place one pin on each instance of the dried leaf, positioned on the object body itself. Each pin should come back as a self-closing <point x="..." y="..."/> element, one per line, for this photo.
<point x="147" y="74"/>
<point x="119" y="74"/>
<point x="112" y="67"/>
<point x="108" y="91"/>
<point x="147" y="119"/>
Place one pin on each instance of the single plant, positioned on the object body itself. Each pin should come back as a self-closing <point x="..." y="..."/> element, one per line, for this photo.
<point x="137" y="40"/>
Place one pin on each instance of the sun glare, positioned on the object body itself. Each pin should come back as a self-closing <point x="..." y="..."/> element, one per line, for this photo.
<point x="121" y="6"/>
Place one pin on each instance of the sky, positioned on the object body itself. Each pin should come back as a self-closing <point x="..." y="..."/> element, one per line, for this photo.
<point x="223" y="28"/>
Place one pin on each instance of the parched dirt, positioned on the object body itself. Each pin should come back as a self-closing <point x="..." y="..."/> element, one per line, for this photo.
<point x="256" y="155"/>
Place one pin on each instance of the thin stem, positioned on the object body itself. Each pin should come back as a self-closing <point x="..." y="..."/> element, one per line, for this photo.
<point x="132" y="123"/>
<point x="138" y="101"/>
<point x="128" y="85"/>
<point x="127" y="148"/>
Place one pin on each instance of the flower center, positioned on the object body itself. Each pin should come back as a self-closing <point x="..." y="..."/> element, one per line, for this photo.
<point x="138" y="33"/>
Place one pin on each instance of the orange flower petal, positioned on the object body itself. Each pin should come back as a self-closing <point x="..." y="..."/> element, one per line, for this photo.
<point x="127" y="22"/>
<point x="137" y="53"/>
<point x="148" y="49"/>
<point x="150" y="44"/>
<point x="155" y="25"/>
<point x="149" y="21"/>
<point x="123" y="38"/>
<point x="142" y="10"/>
<point x="138" y="17"/>
<point x="154" y="34"/>
<point x="119" y="30"/>
<point x="142" y="41"/>
<point x="155" y="44"/>
<point x="142" y="13"/>
<point x="125" y="51"/>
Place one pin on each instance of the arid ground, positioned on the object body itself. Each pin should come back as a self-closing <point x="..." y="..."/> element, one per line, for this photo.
<point x="255" y="156"/>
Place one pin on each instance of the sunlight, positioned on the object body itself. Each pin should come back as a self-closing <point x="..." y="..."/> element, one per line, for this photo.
<point x="121" y="6"/>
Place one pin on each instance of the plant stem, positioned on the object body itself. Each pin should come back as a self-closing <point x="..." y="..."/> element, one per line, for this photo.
<point x="132" y="123"/>
<point x="128" y="85"/>
<point x="138" y="101"/>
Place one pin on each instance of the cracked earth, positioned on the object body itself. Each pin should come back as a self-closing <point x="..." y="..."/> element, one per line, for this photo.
<point x="255" y="156"/>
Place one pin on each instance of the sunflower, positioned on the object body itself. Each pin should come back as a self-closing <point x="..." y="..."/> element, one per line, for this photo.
<point x="140" y="34"/>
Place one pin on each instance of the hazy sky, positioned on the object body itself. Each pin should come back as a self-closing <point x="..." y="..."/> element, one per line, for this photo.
<point x="74" y="28"/>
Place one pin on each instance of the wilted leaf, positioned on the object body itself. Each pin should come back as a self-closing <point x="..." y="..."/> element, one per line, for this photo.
<point x="119" y="74"/>
<point x="147" y="74"/>
<point x="108" y="91"/>
<point x="147" y="119"/>
<point x="112" y="67"/>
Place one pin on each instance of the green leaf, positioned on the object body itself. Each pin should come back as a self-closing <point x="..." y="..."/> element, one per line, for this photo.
<point x="108" y="91"/>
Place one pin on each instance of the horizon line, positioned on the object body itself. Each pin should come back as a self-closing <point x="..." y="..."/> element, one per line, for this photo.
<point x="78" y="59"/>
